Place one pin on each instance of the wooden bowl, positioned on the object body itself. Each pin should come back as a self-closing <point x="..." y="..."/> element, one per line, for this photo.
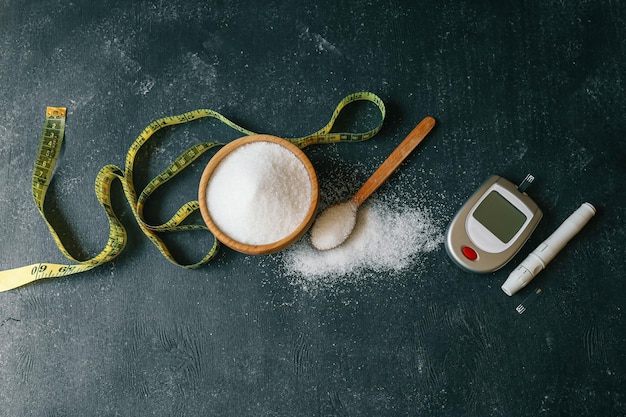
<point x="263" y="248"/>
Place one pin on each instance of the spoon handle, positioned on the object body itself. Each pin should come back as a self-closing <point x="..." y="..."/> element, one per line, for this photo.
<point x="394" y="160"/>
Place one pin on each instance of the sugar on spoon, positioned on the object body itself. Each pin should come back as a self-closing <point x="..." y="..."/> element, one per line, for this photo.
<point x="335" y="224"/>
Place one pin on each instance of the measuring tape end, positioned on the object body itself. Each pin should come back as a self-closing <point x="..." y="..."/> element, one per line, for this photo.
<point x="56" y="111"/>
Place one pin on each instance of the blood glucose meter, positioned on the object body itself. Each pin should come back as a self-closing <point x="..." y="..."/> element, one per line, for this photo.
<point x="492" y="225"/>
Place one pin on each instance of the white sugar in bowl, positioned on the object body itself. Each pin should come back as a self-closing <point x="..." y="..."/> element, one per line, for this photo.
<point x="258" y="194"/>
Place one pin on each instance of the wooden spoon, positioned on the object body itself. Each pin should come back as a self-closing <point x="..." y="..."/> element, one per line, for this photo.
<point x="335" y="224"/>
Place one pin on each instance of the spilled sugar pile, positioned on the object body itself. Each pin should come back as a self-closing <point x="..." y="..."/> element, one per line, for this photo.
<point x="389" y="237"/>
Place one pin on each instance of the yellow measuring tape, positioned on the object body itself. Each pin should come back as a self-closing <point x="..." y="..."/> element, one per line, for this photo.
<point x="48" y="155"/>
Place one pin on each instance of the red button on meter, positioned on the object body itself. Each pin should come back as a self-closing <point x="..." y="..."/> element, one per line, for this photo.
<point x="469" y="253"/>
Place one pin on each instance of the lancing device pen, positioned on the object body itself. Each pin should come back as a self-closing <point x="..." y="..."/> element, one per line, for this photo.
<point x="545" y="252"/>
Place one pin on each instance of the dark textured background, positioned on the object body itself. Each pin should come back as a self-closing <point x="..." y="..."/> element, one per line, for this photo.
<point x="530" y="86"/>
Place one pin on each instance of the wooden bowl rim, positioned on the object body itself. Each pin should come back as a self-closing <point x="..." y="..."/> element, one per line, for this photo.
<point x="270" y="247"/>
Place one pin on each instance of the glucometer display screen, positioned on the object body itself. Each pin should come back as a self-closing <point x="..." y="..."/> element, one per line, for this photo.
<point x="499" y="216"/>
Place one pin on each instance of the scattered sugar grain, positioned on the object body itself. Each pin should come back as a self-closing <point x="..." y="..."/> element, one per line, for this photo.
<point x="387" y="239"/>
<point x="259" y="193"/>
